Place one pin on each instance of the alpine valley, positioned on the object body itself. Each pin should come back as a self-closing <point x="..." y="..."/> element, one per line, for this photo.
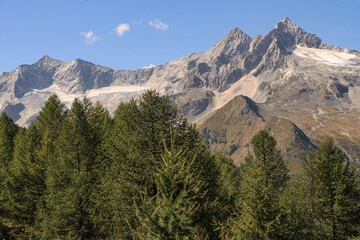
<point x="289" y="82"/>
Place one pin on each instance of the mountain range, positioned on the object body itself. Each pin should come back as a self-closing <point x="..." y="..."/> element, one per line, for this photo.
<point x="289" y="82"/>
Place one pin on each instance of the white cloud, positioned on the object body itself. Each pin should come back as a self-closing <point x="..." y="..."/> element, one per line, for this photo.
<point x="150" y="66"/>
<point x="90" y="37"/>
<point x="156" y="23"/>
<point x="122" y="28"/>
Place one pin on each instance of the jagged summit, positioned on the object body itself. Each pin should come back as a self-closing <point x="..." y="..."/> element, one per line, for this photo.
<point x="287" y="25"/>
<point x="46" y="60"/>
<point x="81" y="61"/>
<point x="285" y="21"/>
<point x="237" y="32"/>
<point x="289" y="35"/>
<point x="235" y="40"/>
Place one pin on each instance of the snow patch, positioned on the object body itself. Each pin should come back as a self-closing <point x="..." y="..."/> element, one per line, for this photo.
<point x="330" y="57"/>
<point x="109" y="96"/>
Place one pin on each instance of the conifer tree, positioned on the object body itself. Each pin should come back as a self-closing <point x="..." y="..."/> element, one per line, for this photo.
<point x="73" y="176"/>
<point x="332" y="194"/>
<point x="264" y="177"/>
<point x="170" y="213"/>
<point x="49" y="121"/>
<point x="8" y="130"/>
<point x="25" y="183"/>
<point x="229" y="183"/>
<point x="34" y="152"/>
<point x="134" y="150"/>
<point x="49" y="124"/>
<point x="296" y="204"/>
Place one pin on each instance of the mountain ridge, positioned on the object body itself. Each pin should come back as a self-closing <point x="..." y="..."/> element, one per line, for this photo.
<point x="289" y="73"/>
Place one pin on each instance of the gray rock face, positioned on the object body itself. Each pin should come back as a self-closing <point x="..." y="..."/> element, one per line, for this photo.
<point x="289" y="73"/>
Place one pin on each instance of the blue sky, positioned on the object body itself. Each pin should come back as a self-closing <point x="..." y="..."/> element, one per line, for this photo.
<point x="133" y="34"/>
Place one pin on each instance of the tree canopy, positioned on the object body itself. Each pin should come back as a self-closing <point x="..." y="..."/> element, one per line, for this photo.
<point x="145" y="173"/>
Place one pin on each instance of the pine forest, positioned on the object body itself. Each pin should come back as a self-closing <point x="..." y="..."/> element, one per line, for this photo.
<point x="145" y="173"/>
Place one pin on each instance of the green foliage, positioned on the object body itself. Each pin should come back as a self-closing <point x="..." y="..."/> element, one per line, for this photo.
<point x="25" y="181"/>
<point x="50" y="119"/>
<point x="73" y="176"/>
<point x="228" y="192"/>
<point x="8" y="130"/>
<point x="297" y="218"/>
<point x="145" y="174"/>
<point x="171" y="212"/>
<point x="34" y="152"/>
<point x="134" y="150"/>
<point x="329" y="201"/>
<point x="263" y="179"/>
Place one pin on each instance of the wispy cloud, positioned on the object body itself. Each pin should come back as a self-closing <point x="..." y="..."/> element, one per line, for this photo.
<point x="156" y="23"/>
<point x="122" y="28"/>
<point x="150" y="66"/>
<point x="90" y="37"/>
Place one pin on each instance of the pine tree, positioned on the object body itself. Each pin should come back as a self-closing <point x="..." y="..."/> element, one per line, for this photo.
<point x="296" y="204"/>
<point x="72" y="178"/>
<point x="264" y="177"/>
<point x="169" y="214"/>
<point x="114" y="196"/>
<point x="49" y="121"/>
<point x="34" y="152"/>
<point x="332" y="194"/>
<point x="228" y="193"/>
<point x="49" y="124"/>
<point x="24" y="184"/>
<point x="8" y="130"/>
<point x="134" y="150"/>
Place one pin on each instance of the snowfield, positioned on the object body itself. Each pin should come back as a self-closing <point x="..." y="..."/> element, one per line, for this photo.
<point x="110" y="96"/>
<point x="330" y="57"/>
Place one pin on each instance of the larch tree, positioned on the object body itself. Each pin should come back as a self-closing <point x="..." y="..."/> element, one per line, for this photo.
<point x="25" y="182"/>
<point x="332" y="193"/>
<point x="8" y="130"/>
<point x="264" y="176"/>
<point x="169" y="214"/>
<point x="135" y="146"/>
<point x="34" y="152"/>
<point x="72" y="178"/>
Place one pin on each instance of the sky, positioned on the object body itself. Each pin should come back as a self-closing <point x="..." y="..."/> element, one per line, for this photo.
<point x="128" y="35"/>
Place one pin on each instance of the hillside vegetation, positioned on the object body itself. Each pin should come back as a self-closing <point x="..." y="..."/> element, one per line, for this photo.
<point x="146" y="173"/>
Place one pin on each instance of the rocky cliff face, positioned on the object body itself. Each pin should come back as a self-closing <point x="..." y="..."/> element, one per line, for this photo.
<point x="298" y="82"/>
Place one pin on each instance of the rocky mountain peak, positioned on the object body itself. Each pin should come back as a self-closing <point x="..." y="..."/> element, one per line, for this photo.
<point x="82" y="62"/>
<point x="237" y="33"/>
<point x="289" y="35"/>
<point x="235" y="43"/>
<point x="48" y="63"/>
<point x="47" y="60"/>
<point x="286" y="25"/>
<point x="285" y="20"/>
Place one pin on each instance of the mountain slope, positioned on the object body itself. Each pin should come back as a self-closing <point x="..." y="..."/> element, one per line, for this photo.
<point x="231" y="129"/>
